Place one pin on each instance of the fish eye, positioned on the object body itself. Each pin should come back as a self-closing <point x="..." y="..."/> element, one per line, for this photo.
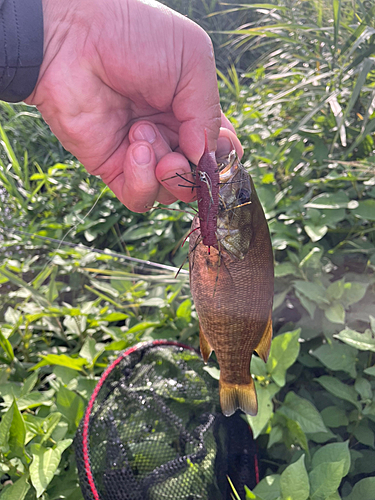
<point x="243" y="196"/>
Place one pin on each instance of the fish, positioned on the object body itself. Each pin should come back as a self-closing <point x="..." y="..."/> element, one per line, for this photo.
<point x="232" y="286"/>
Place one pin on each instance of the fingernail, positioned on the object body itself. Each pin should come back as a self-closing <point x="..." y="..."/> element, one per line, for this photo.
<point x="144" y="133"/>
<point x="224" y="146"/>
<point x="142" y="155"/>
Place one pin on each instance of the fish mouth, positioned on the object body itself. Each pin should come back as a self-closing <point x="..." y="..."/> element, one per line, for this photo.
<point x="230" y="169"/>
<point x="228" y="173"/>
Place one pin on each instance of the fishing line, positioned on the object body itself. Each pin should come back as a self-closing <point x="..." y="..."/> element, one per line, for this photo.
<point x="96" y="250"/>
<point x="81" y="221"/>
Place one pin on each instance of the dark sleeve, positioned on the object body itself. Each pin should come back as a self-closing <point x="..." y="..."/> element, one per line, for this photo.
<point x="21" y="47"/>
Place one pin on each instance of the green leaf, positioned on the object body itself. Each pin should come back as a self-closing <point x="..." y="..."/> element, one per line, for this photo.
<point x="45" y="463"/>
<point x="364" y="461"/>
<point x="365" y="209"/>
<point x="333" y="416"/>
<point x="364" y="434"/>
<point x="315" y="233"/>
<point x="335" y="290"/>
<point x="71" y="406"/>
<point x="213" y="371"/>
<point x="259" y="368"/>
<point x="325" y="478"/>
<point x="38" y="297"/>
<point x="66" y="375"/>
<point x="332" y="217"/>
<point x="284" y="352"/>
<point x="333" y="452"/>
<point x="336" y="21"/>
<point x="335" y="313"/>
<point x="138" y="231"/>
<point x="303" y="412"/>
<point x="34" y="399"/>
<point x="363" y="341"/>
<point x="363" y="387"/>
<point x="265" y="407"/>
<point x="6" y="422"/>
<point x="307" y="303"/>
<point x="6" y="346"/>
<point x="12" y="316"/>
<point x="313" y="291"/>
<point x="29" y="384"/>
<point x="363" y="490"/>
<point x="334" y="496"/>
<point x="17" y="433"/>
<point x="329" y="201"/>
<point x="295" y="434"/>
<point x="115" y="316"/>
<point x="139" y="327"/>
<point x="250" y="495"/>
<point x="370" y="371"/>
<point x="42" y="276"/>
<point x="353" y="292"/>
<point x="276" y="435"/>
<point x="52" y="293"/>
<point x="91" y="350"/>
<point x="337" y="356"/>
<point x="50" y="424"/>
<point x="10" y="153"/>
<point x="284" y="269"/>
<point x="269" y="487"/>
<point x="340" y="390"/>
<point x="294" y="481"/>
<point x="61" y="360"/>
<point x="366" y="67"/>
<point x="16" y="491"/>
<point x="184" y="310"/>
<point x="372" y="323"/>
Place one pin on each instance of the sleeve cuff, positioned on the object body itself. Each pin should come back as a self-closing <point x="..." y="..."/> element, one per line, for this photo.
<point x="21" y="47"/>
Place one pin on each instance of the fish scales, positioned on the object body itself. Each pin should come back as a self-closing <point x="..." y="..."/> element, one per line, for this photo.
<point x="232" y="290"/>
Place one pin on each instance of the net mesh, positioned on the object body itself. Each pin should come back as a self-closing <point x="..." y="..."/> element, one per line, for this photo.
<point x="149" y="431"/>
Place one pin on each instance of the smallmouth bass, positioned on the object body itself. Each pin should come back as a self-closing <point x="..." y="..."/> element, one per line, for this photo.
<point x="232" y="287"/>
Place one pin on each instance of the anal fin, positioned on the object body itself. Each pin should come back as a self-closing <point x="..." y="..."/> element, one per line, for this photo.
<point x="204" y="345"/>
<point x="234" y="396"/>
<point x="264" y="346"/>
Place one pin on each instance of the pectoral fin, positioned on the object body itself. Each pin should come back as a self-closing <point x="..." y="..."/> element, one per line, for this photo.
<point x="233" y="396"/>
<point x="206" y="349"/>
<point x="264" y="346"/>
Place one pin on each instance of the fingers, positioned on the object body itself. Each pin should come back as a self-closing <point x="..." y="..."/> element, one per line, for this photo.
<point x="228" y="141"/>
<point x="140" y="186"/>
<point x="173" y="171"/>
<point x="196" y="102"/>
<point x="153" y="172"/>
<point x="148" y="168"/>
<point x="146" y="131"/>
<point x="225" y="123"/>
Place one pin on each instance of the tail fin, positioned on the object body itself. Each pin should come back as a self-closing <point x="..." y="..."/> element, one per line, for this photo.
<point x="233" y="396"/>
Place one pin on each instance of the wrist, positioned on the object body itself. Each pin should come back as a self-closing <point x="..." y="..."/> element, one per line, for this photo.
<point x="58" y="21"/>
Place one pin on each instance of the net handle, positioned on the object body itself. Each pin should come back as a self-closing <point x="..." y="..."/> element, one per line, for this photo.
<point x="86" y="418"/>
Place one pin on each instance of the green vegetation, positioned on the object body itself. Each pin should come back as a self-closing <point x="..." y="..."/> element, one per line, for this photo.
<point x="305" y="113"/>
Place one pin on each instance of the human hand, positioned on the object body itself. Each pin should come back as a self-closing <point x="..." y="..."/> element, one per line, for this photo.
<point x="128" y="87"/>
